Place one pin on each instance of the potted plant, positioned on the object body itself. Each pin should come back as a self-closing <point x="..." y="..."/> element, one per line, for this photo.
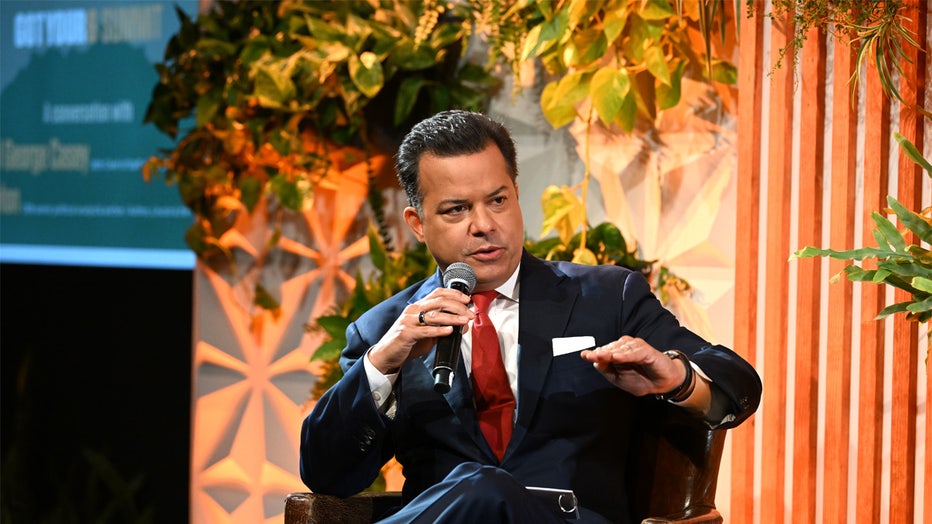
<point x="270" y="101"/>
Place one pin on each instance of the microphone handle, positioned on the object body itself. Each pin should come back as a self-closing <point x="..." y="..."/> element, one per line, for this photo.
<point x="447" y="356"/>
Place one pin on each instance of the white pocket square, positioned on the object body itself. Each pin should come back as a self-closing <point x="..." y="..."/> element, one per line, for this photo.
<point x="562" y="346"/>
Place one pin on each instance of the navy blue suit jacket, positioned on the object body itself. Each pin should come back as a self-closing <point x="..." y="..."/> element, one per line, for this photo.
<point x="572" y="425"/>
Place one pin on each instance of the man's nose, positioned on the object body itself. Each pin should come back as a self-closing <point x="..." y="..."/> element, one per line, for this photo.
<point x="482" y="221"/>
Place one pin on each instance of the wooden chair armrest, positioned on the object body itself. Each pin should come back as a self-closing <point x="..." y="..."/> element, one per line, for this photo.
<point x="695" y="516"/>
<point x="316" y="508"/>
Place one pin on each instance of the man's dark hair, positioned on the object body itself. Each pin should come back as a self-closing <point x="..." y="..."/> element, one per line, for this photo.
<point x="448" y="134"/>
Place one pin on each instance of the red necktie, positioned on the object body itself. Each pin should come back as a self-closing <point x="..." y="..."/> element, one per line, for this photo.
<point x="495" y="403"/>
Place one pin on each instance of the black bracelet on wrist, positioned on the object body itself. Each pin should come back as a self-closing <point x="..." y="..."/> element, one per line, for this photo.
<point x="684" y="390"/>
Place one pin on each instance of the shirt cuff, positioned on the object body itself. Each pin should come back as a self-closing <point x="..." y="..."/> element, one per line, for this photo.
<point x="380" y="385"/>
<point x="719" y="413"/>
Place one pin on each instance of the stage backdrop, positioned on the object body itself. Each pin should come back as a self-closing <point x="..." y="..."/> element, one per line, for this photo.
<point x="76" y="77"/>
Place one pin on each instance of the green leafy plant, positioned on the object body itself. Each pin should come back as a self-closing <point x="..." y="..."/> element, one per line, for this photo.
<point x="875" y="28"/>
<point x="900" y="265"/>
<point x="271" y="100"/>
<point x="627" y="58"/>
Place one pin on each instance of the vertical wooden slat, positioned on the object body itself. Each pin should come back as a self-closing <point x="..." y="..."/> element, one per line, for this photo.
<point x="779" y="173"/>
<point x="871" y="371"/>
<point x="808" y="287"/>
<point x="838" y="367"/>
<point x="747" y="231"/>
<point x="905" y="334"/>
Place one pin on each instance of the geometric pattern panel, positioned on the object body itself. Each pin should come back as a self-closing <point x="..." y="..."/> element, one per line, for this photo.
<point x="252" y="372"/>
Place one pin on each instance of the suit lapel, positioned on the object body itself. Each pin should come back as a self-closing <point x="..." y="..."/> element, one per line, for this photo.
<point x="546" y="300"/>
<point x="460" y="396"/>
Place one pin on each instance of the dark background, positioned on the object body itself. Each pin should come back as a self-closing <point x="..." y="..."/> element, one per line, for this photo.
<point x="96" y="394"/>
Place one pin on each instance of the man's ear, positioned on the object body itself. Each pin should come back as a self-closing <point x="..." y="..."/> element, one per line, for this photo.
<point x="517" y="193"/>
<point x="413" y="219"/>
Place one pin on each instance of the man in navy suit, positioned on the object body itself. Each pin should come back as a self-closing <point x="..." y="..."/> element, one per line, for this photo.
<point x="582" y="347"/>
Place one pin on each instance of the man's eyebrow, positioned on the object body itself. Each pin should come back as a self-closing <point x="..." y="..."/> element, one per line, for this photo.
<point x="497" y="190"/>
<point x="461" y="201"/>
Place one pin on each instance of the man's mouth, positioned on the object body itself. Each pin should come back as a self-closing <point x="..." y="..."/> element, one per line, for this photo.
<point x="486" y="253"/>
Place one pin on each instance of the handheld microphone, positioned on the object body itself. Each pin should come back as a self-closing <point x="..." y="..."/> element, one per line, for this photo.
<point x="461" y="277"/>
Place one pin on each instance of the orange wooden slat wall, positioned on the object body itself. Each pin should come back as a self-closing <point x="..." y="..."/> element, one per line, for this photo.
<point x="746" y="265"/>
<point x="777" y="227"/>
<point x="870" y="404"/>
<point x="808" y="287"/>
<point x="905" y="334"/>
<point x="852" y="386"/>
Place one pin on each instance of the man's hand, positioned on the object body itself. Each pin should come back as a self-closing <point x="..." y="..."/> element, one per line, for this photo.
<point x="417" y="329"/>
<point x="637" y="367"/>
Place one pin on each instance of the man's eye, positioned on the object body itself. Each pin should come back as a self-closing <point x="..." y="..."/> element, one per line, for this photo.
<point x="454" y="210"/>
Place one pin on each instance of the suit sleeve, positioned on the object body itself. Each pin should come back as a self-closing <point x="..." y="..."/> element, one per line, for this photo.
<point x="736" y="385"/>
<point x="345" y="440"/>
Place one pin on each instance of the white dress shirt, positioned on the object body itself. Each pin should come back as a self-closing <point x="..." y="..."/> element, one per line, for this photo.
<point x="503" y="311"/>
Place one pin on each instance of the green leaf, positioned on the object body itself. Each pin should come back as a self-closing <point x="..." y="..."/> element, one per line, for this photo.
<point x="656" y="10"/>
<point x="366" y="73"/>
<point x="543" y="36"/>
<point x="608" y="90"/>
<point x="657" y="64"/>
<point x="890" y="233"/>
<point x="250" y="191"/>
<point x="669" y="95"/>
<point x="207" y="106"/>
<point x="851" y="254"/>
<point x="920" y="305"/>
<point x="593" y="44"/>
<point x="558" y="99"/>
<point x="287" y="192"/>
<point x="911" y="220"/>
<point x="409" y="57"/>
<point x="900" y="307"/>
<point x="905" y="268"/>
<point x="531" y="43"/>
<point x="627" y="116"/>
<point x="724" y="72"/>
<point x="923" y="283"/>
<point x="912" y="152"/>
<point x="273" y="88"/>
<point x="407" y="97"/>
<point x="614" y="23"/>
<point x="329" y="351"/>
<point x="266" y="301"/>
<point x="334" y="325"/>
<point x="377" y="253"/>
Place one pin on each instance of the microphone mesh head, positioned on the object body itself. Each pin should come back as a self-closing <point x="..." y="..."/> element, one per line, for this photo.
<point x="460" y="271"/>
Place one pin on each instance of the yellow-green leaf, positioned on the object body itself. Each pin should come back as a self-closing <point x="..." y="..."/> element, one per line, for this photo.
<point x="558" y="100"/>
<point x="581" y="11"/>
<point x="584" y="256"/>
<point x="608" y="90"/>
<point x="273" y="88"/>
<point x="366" y="72"/>
<point x="614" y="23"/>
<point x="563" y="212"/>
<point x="668" y="95"/>
<point x="589" y="45"/>
<point x="724" y="72"/>
<point x="656" y="10"/>
<point x="531" y="43"/>
<point x="627" y="116"/>
<point x="657" y="64"/>
<point x="922" y="283"/>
